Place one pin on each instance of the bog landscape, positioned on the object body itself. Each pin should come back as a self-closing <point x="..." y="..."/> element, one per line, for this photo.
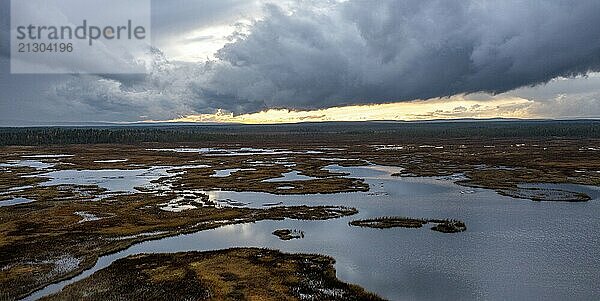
<point x="299" y="150"/>
<point x="334" y="211"/>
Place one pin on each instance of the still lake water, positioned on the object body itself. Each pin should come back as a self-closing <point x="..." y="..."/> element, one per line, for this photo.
<point x="513" y="249"/>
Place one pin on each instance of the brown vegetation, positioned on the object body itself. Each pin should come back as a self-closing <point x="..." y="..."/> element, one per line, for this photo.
<point x="445" y="226"/>
<point x="235" y="274"/>
<point x="287" y="234"/>
<point x="45" y="241"/>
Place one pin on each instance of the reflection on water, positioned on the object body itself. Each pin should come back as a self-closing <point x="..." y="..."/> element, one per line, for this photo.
<point x="244" y="151"/>
<point x="15" y="201"/>
<point x="592" y="191"/>
<point x="27" y="163"/>
<point x="513" y="249"/>
<point x="223" y="173"/>
<point x="290" y="177"/>
<point x="114" y="180"/>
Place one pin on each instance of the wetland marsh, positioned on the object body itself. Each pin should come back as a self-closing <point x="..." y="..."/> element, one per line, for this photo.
<point x="93" y="210"/>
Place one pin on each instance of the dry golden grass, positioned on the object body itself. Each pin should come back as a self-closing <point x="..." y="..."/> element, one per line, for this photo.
<point x="38" y="235"/>
<point x="235" y="274"/>
<point x="34" y="235"/>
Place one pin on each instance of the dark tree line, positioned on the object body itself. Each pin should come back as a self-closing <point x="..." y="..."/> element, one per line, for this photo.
<point x="359" y="132"/>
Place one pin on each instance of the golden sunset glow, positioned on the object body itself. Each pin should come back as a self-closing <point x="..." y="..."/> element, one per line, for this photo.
<point x="448" y="108"/>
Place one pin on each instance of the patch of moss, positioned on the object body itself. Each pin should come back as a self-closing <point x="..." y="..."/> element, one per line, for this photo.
<point x="39" y="236"/>
<point x="287" y="234"/>
<point x="234" y="274"/>
<point x="445" y="226"/>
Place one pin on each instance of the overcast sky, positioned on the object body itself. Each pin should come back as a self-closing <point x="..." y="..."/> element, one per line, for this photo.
<point x="246" y="56"/>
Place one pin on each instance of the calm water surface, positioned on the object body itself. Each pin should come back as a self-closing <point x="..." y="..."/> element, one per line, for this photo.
<point x="513" y="249"/>
<point x="15" y="201"/>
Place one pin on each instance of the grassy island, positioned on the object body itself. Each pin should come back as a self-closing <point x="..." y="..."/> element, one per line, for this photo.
<point x="286" y="234"/>
<point x="234" y="274"/>
<point x="444" y="226"/>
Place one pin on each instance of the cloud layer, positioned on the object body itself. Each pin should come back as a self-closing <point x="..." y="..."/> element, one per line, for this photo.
<point x="320" y="54"/>
<point x="382" y="51"/>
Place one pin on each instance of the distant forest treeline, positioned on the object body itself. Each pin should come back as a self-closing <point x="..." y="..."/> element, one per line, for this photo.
<point x="349" y="131"/>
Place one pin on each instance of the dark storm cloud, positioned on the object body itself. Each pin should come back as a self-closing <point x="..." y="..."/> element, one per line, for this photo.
<point x="176" y="16"/>
<point x="4" y="29"/>
<point x="317" y="54"/>
<point x="380" y="51"/>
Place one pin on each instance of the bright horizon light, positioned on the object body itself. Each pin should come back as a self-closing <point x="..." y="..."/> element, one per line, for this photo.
<point x="456" y="107"/>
